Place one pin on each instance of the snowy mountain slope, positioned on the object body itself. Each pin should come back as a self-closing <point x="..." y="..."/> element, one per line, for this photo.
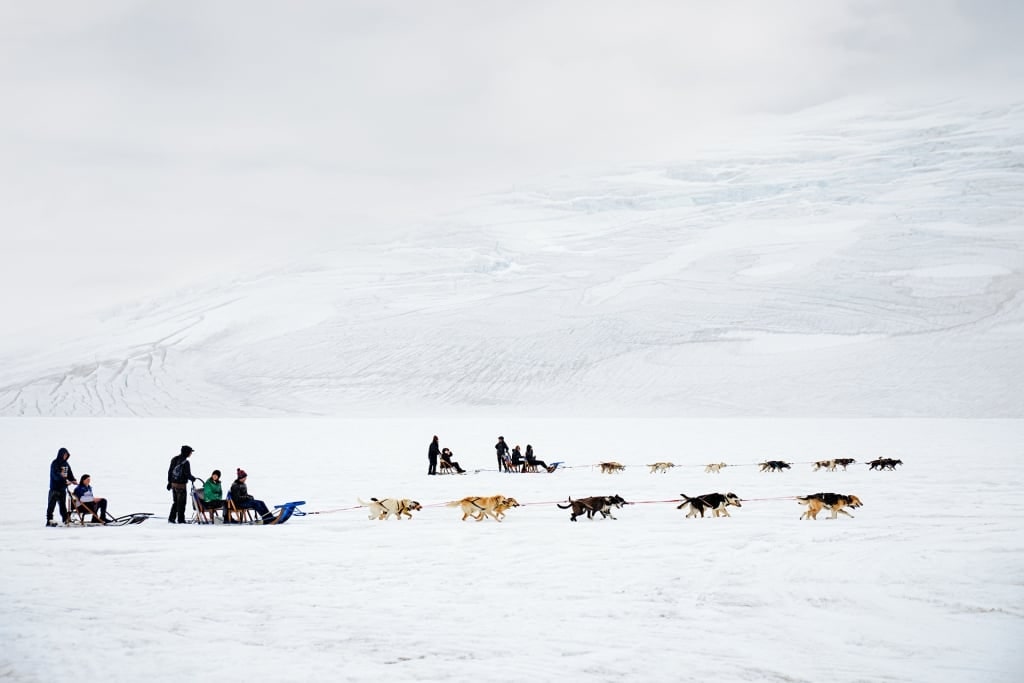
<point x="850" y="266"/>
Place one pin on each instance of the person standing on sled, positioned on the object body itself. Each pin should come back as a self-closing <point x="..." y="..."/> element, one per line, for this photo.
<point x="502" y="450"/>
<point x="432" y="452"/>
<point x="60" y="476"/>
<point x="242" y="499"/>
<point x="179" y="472"/>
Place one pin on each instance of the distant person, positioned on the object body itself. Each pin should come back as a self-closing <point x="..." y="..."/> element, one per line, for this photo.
<point x="532" y="461"/>
<point x="517" y="459"/>
<point x="502" y="450"/>
<point x="432" y="452"/>
<point x="241" y="498"/>
<point x="89" y="503"/>
<point x="446" y="458"/>
<point x="178" y="474"/>
<point x="213" y="492"/>
<point x="60" y="477"/>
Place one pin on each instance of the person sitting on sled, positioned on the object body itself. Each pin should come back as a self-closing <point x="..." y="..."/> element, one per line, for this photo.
<point x="242" y="499"/>
<point x="88" y="502"/>
<point x="517" y="459"/>
<point x="446" y="457"/>
<point x="534" y="462"/>
<point x="213" y="492"/>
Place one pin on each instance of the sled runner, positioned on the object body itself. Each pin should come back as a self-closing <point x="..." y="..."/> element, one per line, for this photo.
<point x="83" y="514"/>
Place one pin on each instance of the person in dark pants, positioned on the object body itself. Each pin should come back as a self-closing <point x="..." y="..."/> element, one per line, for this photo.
<point x="446" y="458"/>
<point x="432" y="453"/>
<point x="60" y="476"/>
<point x="89" y="503"/>
<point x="241" y="498"/>
<point x="502" y="449"/>
<point x="532" y="461"/>
<point x="517" y="459"/>
<point x="178" y="474"/>
<point x="213" y="492"/>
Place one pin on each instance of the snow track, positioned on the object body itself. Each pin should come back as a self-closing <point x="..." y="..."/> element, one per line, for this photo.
<point x="861" y="267"/>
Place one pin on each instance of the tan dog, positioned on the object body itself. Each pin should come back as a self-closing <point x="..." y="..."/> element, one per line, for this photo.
<point x="715" y="467"/>
<point x="611" y="467"/>
<point x="506" y="504"/>
<point x="662" y="467"/>
<point x="384" y="508"/>
<point x="816" y="502"/>
<point x="479" y="507"/>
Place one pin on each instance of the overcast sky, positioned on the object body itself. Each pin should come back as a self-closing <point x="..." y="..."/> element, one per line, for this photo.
<point x="144" y="145"/>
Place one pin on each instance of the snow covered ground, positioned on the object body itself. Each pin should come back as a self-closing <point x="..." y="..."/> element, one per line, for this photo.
<point x="925" y="584"/>
<point x="850" y="261"/>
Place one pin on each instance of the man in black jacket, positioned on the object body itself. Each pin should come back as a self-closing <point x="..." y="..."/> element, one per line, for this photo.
<point x="432" y="453"/>
<point x="179" y="472"/>
<point x="502" y="449"/>
<point x="60" y="476"/>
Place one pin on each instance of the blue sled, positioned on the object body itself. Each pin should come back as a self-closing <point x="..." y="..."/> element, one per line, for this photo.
<point x="285" y="511"/>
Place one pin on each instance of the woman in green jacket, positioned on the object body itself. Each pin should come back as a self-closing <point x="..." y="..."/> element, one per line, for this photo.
<point x="213" y="493"/>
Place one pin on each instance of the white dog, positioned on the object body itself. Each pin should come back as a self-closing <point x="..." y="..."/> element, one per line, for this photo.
<point x="715" y="467"/>
<point x="383" y="508"/>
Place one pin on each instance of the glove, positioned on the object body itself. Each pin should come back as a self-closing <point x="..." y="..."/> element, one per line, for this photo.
<point x="168" y="486"/>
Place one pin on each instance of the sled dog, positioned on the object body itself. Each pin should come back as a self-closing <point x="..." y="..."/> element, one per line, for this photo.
<point x="717" y="503"/>
<point x="611" y="467"/>
<point x="774" y="466"/>
<point x="715" y="467"/>
<point x="384" y="508"/>
<point x="662" y="467"/>
<point x="884" y="464"/>
<point x="479" y="507"/>
<point x="592" y="505"/>
<point x="835" y="502"/>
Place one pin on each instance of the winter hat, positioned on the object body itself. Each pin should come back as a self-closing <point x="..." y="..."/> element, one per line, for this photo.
<point x="241" y="473"/>
<point x="62" y="452"/>
<point x="187" y="450"/>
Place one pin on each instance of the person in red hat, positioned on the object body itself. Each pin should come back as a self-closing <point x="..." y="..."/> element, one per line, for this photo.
<point x="241" y="498"/>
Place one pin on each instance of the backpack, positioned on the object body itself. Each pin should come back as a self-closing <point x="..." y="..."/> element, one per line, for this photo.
<point x="178" y="469"/>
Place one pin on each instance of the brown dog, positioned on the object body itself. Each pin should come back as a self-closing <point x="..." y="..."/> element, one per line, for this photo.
<point x="835" y="502"/>
<point x="479" y="507"/>
<point x="611" y="467"/>
<point x="662" y="467"/>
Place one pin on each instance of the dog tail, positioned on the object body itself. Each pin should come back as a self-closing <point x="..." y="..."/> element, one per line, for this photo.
<point x="803" y="500"/>
<point x="453" y="503"/>
<point x="364" y="503"/>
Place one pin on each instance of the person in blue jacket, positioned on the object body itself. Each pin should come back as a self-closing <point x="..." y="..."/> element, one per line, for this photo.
<point x="60" y="476"/>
